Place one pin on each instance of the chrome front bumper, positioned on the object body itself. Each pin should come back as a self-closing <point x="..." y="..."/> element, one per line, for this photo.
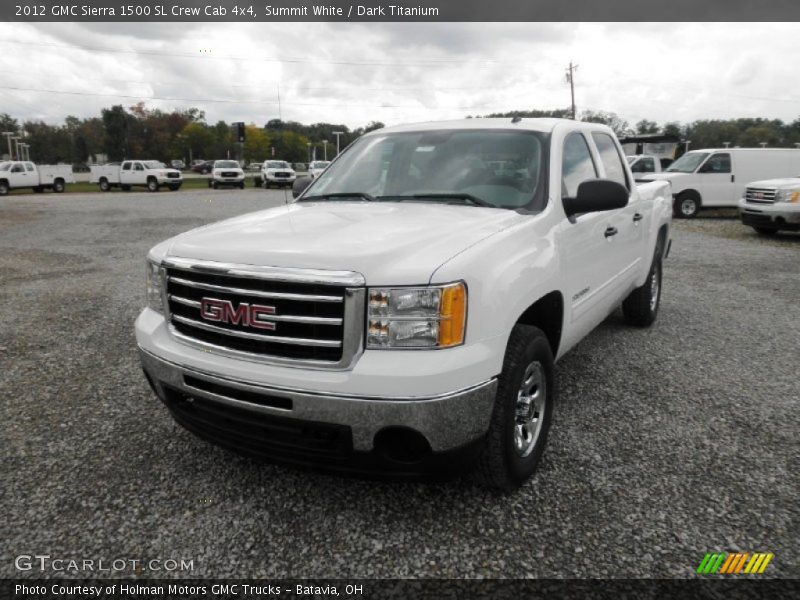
<point x="447" y="421"/>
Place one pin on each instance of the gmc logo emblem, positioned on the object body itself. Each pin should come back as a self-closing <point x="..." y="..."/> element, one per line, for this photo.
<point x="247" y="315"/>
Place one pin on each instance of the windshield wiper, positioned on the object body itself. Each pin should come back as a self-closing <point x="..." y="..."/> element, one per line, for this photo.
<point x="443" y="196"/>
<point x="362" y="195"/>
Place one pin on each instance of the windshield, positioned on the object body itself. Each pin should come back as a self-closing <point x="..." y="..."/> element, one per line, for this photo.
<point x="154" y="164"/>
<point x="226" y="164"/>
<point x="320" y="164"/>
<point x="502" y="169"/>
<point x="277" y="164"/>
<point x="687" y="163"/>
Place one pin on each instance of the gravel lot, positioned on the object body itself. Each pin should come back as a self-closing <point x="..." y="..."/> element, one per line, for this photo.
<point x="668" y="442"/>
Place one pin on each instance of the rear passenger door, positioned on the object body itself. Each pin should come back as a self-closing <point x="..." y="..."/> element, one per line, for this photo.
<point x="627" y="244"/>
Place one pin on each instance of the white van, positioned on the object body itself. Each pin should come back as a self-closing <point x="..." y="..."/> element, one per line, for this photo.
<point x="717" y="177"/>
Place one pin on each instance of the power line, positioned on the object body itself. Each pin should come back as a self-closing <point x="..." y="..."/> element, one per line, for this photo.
<point x="225" y="101"/>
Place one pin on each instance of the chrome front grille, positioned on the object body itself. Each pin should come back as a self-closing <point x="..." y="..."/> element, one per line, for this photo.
<point x="284" y="316"/>
<point x="760" y="195"/>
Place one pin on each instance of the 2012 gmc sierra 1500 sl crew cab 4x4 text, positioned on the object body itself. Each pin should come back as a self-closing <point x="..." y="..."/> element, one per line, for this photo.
<point x="404" y="314"/>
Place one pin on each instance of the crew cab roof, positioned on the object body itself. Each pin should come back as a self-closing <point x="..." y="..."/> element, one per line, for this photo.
<point x="504" y="123"/>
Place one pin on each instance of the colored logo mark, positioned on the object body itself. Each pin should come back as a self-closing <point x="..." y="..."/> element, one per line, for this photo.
<point x="725" y="563"/>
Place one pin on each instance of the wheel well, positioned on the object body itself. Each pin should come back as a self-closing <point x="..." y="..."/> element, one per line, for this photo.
<point x="691" y="194"/>
<point x="547" y="313"/>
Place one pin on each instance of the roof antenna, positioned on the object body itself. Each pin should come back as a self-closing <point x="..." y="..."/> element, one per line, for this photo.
<point x="516" y="119"/>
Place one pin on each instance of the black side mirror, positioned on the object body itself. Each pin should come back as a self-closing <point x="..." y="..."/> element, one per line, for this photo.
<point x="596" y="195"/>
<point x="299" y="186"/>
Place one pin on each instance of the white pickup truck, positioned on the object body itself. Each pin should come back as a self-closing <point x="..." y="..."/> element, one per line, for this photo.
<point x="15" y="174"/>
<point x="278" y="173"/>
<point x="152" y="174"/>
<point x="772" y="205"/>
<point x="404" y="314"/>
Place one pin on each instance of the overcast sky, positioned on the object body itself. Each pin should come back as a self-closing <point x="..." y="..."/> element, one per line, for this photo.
<point x="400" y="72"/>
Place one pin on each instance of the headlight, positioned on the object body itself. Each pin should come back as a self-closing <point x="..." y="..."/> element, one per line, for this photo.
<point x="419" y="317"/>
<point x="154" y="286"/>
<point x="787" y="196"/>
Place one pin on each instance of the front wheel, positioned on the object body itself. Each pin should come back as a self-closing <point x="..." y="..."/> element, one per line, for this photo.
<point x="241" y="185"/>
<point x="522" y="411"/>
<point x="58" y="186"/>
<point x="152" y="185"/>
<point x="765" y="230"/>
<point x="686" y="206"/>
<point x="174" y="188"/>
<point x="640" y="308"/>
<point x="4" y="188"/>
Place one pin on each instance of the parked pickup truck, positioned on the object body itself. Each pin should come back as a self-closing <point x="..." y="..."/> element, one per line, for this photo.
<point x="404" y="314"/>
<point x="150" y="173"/>
<point x="278" y="173"/>
<point x="16" y="174"/>
<point x="772" y="205"/>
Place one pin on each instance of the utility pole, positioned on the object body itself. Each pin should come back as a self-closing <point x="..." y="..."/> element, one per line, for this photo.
<point x="337" y="134"/>
<point x="16" y="147"/>
<point x="325" y="147"/>
<point x="571" y="79"/>
<point x="8" y="135"/>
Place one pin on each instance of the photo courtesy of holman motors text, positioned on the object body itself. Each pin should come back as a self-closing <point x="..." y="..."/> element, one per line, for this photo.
<point x="388" y="300"/>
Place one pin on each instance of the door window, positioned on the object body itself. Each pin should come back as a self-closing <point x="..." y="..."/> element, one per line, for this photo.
<point x="126" y="166"/>
<point x="611" y="158"/>
<point x="717" y="163"/>
<point x="138" y="167"/>
<point x="17" y="169"/>
<point x="577" y="165"/>
<point x="644" y="165"/>
<point x="29" y="167"/>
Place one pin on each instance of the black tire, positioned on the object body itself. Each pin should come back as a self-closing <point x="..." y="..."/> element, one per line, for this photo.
<point x="58" y="186"/>
<point x="687" y="205"/>
<point x="125" y="188"/>
<point x="152" y="185"/>
<point x="257" y="181"/>
<point x="104" y="185"/>
<point x="174" y="188"/>
<point x="501" y="465"/>
<point x="765" y="230"/>
<point x="241" y="185"/>
<point x="214" y="185"/>
<point x="640" y="308"/>
<point x="4" y="188"/>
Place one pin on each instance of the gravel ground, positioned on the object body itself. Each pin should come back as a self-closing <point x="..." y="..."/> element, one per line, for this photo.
<point x="667" y="443"/>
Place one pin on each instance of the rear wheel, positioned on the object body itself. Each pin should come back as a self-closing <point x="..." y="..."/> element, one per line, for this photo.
<point x="104" y="185"/>
<point x="640" y="308"/>
<point x="152" y="185"/>
<point x="58" y="186"/>
<point x="687" y="205"/>
<point x="522" y="411"/>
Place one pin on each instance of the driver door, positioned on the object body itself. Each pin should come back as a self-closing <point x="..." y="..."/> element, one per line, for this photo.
<point x="17" y="177"/>
<point x="716" y="181"/>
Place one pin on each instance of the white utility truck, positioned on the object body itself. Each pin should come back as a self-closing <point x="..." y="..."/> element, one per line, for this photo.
<point x="16" y="174"/>
<point x="405" y="313"/>
<point x="643" y="164"/>
<point x="772" y="205"/>
<point x="717" y="178"/>
<point x="152" y="174"/>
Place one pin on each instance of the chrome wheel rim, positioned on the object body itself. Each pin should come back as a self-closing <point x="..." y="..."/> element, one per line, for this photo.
<point x="530" y="409"/>
<point x="687" y="207"/>
<point x="655" y="286"/>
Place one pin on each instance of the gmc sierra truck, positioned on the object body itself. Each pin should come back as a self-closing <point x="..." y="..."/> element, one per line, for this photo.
<point x="152" y="174"/>
<point x="403" y="315"/>
<point x="772" y="205"/>
<point x="16" y="174"/>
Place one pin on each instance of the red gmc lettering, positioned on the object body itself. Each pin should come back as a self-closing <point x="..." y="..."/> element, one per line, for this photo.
<point x="247" y="315"/>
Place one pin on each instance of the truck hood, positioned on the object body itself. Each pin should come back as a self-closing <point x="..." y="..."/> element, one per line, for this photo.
<point x="663" y="176"/>
<point x="786" y="182"/>
<point x="389" y="243"/>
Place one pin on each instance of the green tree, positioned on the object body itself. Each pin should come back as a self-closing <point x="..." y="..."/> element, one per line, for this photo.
<point x="194" y="141"/>
<point x="256" y="144"/>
